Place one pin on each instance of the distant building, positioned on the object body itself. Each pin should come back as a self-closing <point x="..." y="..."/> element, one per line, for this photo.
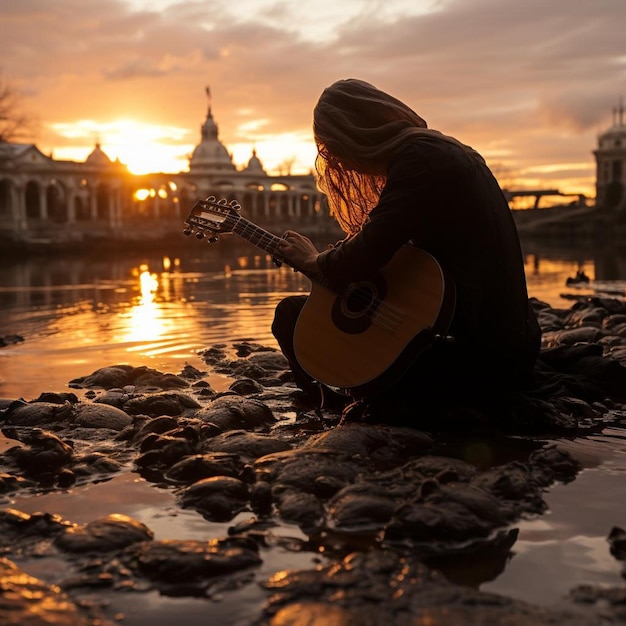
<point x="263" y="197"/>
<point x="611" y="163"/>
<point x="46" y="200"/>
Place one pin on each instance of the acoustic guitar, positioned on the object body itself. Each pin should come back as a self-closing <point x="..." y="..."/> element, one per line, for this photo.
<point x="362" y="339"/>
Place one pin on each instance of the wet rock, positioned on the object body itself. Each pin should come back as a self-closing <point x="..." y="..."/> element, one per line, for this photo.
<point x="20" y="413"/>
<point x="22" y="533"/>
<point x="44" y="453"/>
<point x="300" y="508"/>
<point x="163" y="403"/>
<point x="157" y="425"/>
<point x="552" y="463"/>
<point x="266" y="367"/>
<point x="96" y="464"/>
<point x="162" y="451"/>
<point x="245" y="444"/>
<point x="189" y="372"/>
<point x="577" y="335"/>
<point x="361" y="506"/>
<point x="122" y="375"/>
<point x="379" y="443"/>
<point x="112" y="532"/>
<point x="234" y="412"/>
<point x="449" y="513"/>
<point x="101" y="416"/>
<point x="190" y="567"/>
<point x="245" y="348"/>
<point x="381" y="587"/>
<point x="114" y="397"/>
<point x="516" y="484"/>
<point x="617" y="541"/>
<point x="583" y="315"/>
<point x="309" y="470"/>
<point x="218" y="498"/>
<point x="213" y="355"/>
<point x="246" y="387"/>
<point x="28" y="601"/>
<point x="57" y="397"/>
<point x="194" y="468"/>
<point x="443" y="468"/>
<point x="9" y="482"/>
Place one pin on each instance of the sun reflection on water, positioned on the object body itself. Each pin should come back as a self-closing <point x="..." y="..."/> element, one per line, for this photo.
<point x="145" y="319"/>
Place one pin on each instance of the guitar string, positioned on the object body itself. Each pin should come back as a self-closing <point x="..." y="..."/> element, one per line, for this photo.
<point x="383" y="314"/>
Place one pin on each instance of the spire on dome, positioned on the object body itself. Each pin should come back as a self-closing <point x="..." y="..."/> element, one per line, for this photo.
<point x="207" y="90"/>
<point x="210" y="153"/>
<point x="618" y="113"/>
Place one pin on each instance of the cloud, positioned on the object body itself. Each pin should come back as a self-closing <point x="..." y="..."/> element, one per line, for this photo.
<point x="527" y="82"/>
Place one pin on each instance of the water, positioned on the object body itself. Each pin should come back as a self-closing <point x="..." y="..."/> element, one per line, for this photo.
<point x="77" y="314"/>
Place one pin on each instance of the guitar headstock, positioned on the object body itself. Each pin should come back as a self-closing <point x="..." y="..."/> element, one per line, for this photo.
<point x="211" y="217"/>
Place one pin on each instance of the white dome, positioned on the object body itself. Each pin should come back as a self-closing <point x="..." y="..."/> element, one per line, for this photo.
<point x="210" y="153"/>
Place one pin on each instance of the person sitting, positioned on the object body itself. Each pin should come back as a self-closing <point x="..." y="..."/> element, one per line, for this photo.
<point x="390" y="181"/>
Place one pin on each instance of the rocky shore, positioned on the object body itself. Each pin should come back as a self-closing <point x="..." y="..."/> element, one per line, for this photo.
<point x="405" y="526"/>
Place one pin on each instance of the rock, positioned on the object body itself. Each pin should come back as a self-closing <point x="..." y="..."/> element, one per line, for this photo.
<point x="44" y="454"/>
<point x="300" y="508"/>
<point x="28" y="601"/>
<point x="233" y="412"/>
<point x="306" y="469"/>
<point x="103" y="535"/>
<point x="122" y="375"/>
<point x="194" y="468"/>
<point x="375" y="442"/>
<point x="247" y="445"/>
<point x="101" y="416"/>
<point x="218" y="498"/>
<point x="20" y="413"/>
<point x="617" y="541"/>
<point x="381" y="587"/>
<point x="176" y="563"/>
<point x="163" y="403"/>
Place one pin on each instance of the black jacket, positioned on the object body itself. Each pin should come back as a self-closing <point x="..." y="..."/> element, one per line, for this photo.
<point x="447" y="202"/>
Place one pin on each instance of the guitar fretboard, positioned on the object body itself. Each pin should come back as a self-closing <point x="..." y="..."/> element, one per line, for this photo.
<point x="256" y="235"/>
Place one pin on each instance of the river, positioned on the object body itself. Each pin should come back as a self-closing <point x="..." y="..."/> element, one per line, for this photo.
<point x="79" y="313"/>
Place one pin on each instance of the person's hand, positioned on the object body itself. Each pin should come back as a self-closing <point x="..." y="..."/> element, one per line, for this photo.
<point x="300" y="252"/>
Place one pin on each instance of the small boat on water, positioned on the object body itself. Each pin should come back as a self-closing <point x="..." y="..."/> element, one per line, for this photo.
<point x="580" y="278"/>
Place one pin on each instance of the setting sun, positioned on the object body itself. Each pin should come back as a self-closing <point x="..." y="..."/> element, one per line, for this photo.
<point x="142" y="147"/>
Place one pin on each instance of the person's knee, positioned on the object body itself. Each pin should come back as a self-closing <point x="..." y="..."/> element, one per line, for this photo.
<point x="286" y="314"/>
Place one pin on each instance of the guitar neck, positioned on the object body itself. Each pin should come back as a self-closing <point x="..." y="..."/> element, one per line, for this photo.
<point x="258" y="237"/>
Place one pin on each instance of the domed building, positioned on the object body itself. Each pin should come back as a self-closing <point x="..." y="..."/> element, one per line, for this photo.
<point x="264" y="198"/>
<point x="611" y="163"/>
<point x="43" y="199"/>
<point x="210" y="155"/>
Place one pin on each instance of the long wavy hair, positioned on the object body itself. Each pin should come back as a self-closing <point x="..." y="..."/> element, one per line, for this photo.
<point x="357" y="129"/>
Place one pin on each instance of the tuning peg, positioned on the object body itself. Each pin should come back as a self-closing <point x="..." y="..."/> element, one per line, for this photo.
<point x="235" y="205"/>
<point x="222" y="201"/>
<point x="211" y="199"/>
<point x="199" y="235"/>
<point x="187" y="231"/>
<point x="212" y="239"/>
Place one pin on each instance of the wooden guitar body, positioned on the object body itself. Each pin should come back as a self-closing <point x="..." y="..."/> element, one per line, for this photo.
<point x="364" y="338"/>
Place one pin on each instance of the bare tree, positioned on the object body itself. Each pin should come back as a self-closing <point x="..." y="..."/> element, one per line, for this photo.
<point x="14" y="121"/>
<point x="285" y="166"/>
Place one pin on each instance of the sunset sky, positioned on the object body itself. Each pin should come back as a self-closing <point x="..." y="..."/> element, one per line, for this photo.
<point x="528" y="83"/>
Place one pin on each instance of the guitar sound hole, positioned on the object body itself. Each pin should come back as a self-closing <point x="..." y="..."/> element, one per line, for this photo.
<point x="353" y="309"/>
<point x="358" y="300"/>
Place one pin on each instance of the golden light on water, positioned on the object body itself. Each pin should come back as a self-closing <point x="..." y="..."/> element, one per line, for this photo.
<point x="145" y="319"/>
